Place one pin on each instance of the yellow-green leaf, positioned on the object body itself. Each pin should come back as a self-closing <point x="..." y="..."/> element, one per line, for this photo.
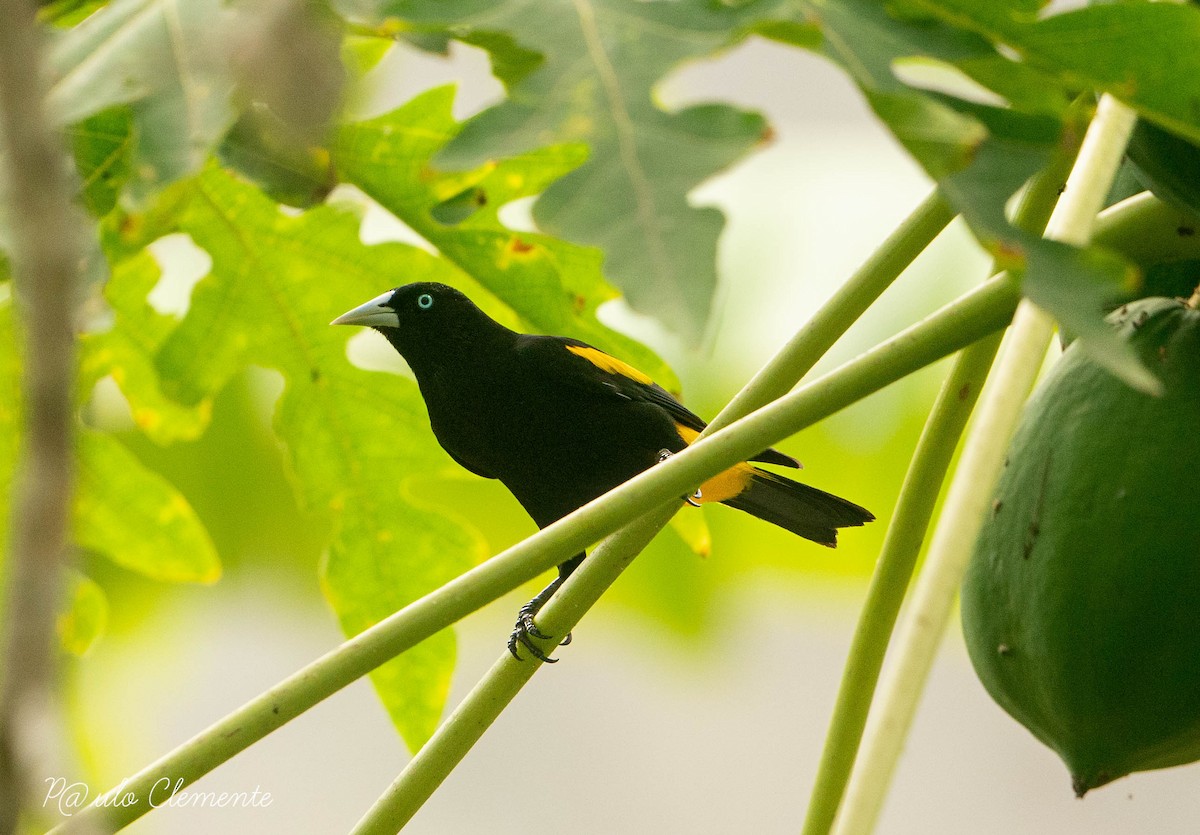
<point x="84" y="616"/>
<point x="545" y="284"/>
<point x="136" y="518"/>
<point x="353" y="437"/>
<point x="122" y="510"/>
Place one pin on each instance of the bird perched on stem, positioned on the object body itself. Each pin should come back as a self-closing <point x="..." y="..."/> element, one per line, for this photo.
<point x="559" y="423"/>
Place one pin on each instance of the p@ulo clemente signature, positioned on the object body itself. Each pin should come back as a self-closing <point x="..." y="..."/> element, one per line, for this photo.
<point x="68" y="797"/>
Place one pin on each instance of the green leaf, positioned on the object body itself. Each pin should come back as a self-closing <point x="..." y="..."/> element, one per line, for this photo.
<point x="167" y="60"/>
<point x="262" y="148"/>
<point x="1142" y="53"/>
<point x="361" y="53"/>
<point x="174" y="65"/>
<point x="353" y="437"/>
<point x="84" y="616"/>
<point x="127" y="350"/>
<point x="981" y="154"/>
<point x="585" y="71"/>
<point x="122" y="510"/>
<point x="102" y="146"/>
<point x="136" y="518"/>
<point x="529" y="281"/>
<point x="692" y="528"/>
<point x="65" y="13"/>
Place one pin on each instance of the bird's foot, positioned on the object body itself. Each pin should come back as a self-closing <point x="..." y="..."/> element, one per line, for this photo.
<point x="694" y="499"/>
<point x="525" y="630"/>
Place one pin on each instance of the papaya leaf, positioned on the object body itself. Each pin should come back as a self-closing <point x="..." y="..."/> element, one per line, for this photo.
<point x="260" y="146"/>
<point x="174" y="66"/>
<point x="65" y="13"/>
<point x="122" y="510"/>
<point x="693" y="530"/>
<point x="353" y="437"/>
<point x="1142" y="53"/>
<point x="980" y="154"/>
<point x="127" y="350"/>
<point x="136" y="518"/>
<point x="532" y="281"/>
<point x="84" y="617"/>
<point x="361" y="53"/>
<point x="163" y="58"/>
<point x="585" y="71"/>
<point x="1166" y="164"/>
<point x="102" y="145"/>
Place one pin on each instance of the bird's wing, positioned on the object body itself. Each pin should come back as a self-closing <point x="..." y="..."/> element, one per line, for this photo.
<point x="623" y="380"/>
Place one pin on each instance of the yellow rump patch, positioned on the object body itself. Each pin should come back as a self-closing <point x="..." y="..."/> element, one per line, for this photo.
<point x="610" y="364"/>
<point x="725" y="485"/>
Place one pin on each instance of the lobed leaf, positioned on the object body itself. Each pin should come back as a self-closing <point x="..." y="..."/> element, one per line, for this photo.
<point x="126" y="352"/>
<point x="353" y="437"/>
<point x="136" y="518"/>
<point x="165" y="59"/>
<point x="122" y="510"/>
<point x="980" y="154"/>
<point x="1142" y="53"/>
<point x="530" y="281"/>
<point x="170" y="68"/>
<point x="585" y="71"/>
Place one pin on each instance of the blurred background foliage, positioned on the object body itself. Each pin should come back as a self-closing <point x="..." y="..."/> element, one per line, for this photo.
<point x="670" y="144"/>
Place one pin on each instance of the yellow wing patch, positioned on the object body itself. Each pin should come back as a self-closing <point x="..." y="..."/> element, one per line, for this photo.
<point x="725" y="485"/>
<point x="610" y="364"/>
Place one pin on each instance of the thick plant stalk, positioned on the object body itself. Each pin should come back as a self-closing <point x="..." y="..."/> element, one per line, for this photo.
<point x="519" y="564"/>
<point x="905" y="535"/>
<point x="45" y="254"/>
<point x="909" y="526"/>
<point x="1148" y="231"/>
<point x="966" y="502"/>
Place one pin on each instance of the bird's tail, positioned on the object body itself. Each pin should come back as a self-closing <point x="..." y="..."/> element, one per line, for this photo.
<point x="807" y="511"/>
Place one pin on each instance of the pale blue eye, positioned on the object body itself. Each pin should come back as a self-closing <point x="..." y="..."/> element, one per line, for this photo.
<point x="424" y="301"/>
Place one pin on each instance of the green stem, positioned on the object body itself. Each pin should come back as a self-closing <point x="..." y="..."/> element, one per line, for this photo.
<point x="810" y="343"/>
<point x="1148" y="231"/>
<point x="910" y="523"/>
<point x="500" y="685"/>
<point x="966" y="502"/>
<point x="897" y="558"/>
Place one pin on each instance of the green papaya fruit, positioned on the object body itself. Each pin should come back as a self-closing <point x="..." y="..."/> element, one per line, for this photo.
<point x="1081" y="604"/>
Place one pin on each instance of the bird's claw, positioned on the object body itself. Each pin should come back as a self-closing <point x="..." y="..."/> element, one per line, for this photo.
<point x="524" y="632"/>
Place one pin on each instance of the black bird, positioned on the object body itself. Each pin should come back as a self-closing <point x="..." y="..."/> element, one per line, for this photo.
<point x="559" y="422"/>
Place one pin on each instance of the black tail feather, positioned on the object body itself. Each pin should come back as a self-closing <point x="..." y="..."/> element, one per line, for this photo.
<point x="803" y="510"/>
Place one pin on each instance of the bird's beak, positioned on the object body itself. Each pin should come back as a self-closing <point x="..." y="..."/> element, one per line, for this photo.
<point x="374" y="313"/>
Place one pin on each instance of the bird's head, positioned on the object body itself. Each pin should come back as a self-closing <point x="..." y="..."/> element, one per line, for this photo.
<point x="425" y="321"/>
